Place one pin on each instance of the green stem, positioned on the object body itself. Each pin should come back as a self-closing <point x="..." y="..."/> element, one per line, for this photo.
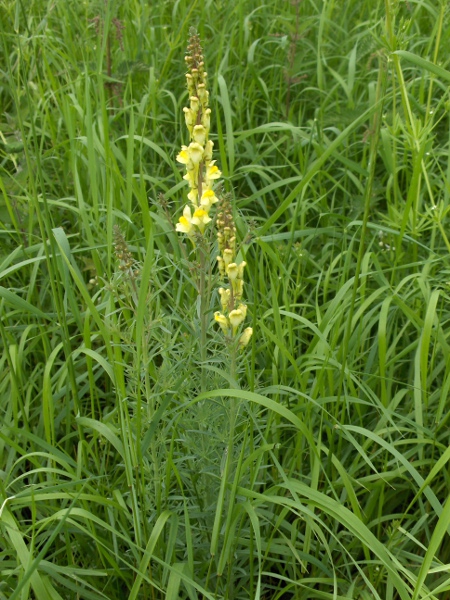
<point x="204" y="301"/>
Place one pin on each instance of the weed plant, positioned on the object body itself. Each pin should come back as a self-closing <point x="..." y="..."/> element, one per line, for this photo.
<point x="148" y="453"/>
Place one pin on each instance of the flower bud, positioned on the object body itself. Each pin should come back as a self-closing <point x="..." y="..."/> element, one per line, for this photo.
<point x="223" y="321"/>
<point x="199" y="134"/>
<point x="207" y="154"/>
<point x="203" y="94"/>
<point x="245" y="337"/>
<point x="225" y="296"/>
<point x="190" y="118"/>
<point x="243" y="309"/>
<point x="238" y="288"/>
<point x="206" y="119"/>
<point x="221" y="266"/>
<point x="195" y="104"/>
<point x="241" y="269"/>
<point x="228" y="262"/>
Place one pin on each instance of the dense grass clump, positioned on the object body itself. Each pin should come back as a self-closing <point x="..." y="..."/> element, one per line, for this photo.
<point x="143" y="453"/>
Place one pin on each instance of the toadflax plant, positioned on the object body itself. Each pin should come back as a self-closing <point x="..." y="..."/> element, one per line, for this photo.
<point x="202" y="175"/>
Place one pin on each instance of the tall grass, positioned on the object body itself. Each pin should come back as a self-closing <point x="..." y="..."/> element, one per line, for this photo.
<point x="118" y="475"/>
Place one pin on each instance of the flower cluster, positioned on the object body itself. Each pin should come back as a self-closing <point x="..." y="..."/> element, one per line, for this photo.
<point x="233" y="310"/>
<point x="201" y="170"/>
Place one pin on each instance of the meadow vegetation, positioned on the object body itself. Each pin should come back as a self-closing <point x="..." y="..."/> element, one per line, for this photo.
<point x="144" y="452"/>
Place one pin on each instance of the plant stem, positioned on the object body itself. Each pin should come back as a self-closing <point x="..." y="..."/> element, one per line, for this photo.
<point x="204" y="301"/>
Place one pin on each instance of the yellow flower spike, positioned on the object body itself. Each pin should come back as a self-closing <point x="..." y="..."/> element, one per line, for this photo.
<point x="201" y="170"/>
<point x="199" y="134"/>
<point x="225" y="296"/>
<point x="184" y="224"/>
<point x="223" y="322"/>
<point x="236" y="317"/>
<point x="245" y="337"/>
<point x="200" y="219"/>
<point x="208" y="199"/>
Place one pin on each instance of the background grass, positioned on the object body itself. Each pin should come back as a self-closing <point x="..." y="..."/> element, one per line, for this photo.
<point x="118" y="475"/>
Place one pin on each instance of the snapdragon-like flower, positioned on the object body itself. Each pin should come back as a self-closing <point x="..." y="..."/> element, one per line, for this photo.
<point x="185" y="224"/>
<point x="223" y="321"/>
<point x="225" y="297"/>
<point x="201" y="170"/>
<point x="236" y="317"/>
<point x="208" y="199"/>
<point x="200" y="219"/>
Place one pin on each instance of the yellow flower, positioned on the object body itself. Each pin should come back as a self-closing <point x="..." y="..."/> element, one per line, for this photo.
<point x="200" y="219"/>
<point x="199" y="134"/>
<point x="190" y="117"/>
<point x="195" y="152"/>
<point x="245" y="337"/>
<point x="190" y="178"/>
<point x="184" y="224"/>
<point x="190" y="83"/>
<point x="236" y="317"/>
<point x="232" y="270"/>
<point x="241" y="269"/>
<point x="183" y="156"/>
<point x="207" y="154"/>
<point x="192" y="196"/>
<point x="206" y="119"/>
<point x="212" y="172"/>
<point x="243" y="309"/>
<point x="238" y="288"/>
<point x="228" y="259"/>
<point x="221" y="265"/>
<point x="203" y="94"/>
<point x="225" y="296"/>
<point x="223" y="321"/>
<point x="208" y="199"/>
<point x="195" y="105"/>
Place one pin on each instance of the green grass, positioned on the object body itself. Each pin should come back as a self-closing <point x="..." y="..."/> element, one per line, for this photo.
<point x="129" y="467"/>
